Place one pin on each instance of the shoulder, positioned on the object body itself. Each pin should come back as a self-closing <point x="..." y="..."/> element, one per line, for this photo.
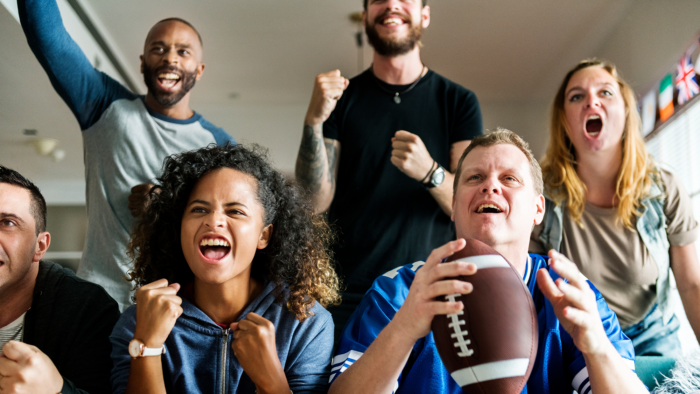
<point x="449" y="86"/>
<point x="221" y="136"/>
<point x="55" y="282"/>
<point x="396" y="283"/>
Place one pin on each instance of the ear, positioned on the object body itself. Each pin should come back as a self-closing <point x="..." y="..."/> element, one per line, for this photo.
<point x="200" y="71"/>
<point x="265" y="235"/>
<point x="42" y="245"/>
<point x="364" y="18"/>
<point x="539" y="209"/>
<point x="141" y="57"/>
<point x="425" y="16"/>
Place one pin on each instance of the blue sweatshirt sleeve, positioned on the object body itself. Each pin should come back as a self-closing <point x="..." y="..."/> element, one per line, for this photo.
<point x="87" y="91"/>
<point x="121" y="360"/>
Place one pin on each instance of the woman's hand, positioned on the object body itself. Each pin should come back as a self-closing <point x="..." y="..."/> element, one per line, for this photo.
<point x="254" y="346"/>
<point x="574" y="304"/>
<point x="157" y="310"/>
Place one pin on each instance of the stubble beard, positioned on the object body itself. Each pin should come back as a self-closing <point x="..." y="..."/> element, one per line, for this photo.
<point x="394" y="47"/>
<point x="167" y="99"/>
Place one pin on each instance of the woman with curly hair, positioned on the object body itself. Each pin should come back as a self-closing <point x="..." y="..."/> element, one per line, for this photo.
<point x="233" y="274"/>
<point x="625" y="221"/>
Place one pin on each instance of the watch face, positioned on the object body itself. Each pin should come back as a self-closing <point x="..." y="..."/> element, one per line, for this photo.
<point x="134" y="348"/>
<point x="438" y="177"/>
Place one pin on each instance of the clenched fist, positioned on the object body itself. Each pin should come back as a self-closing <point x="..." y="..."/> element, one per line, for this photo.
<point x="328" y="88"/>
<point x="26" y="369"/>
<point x="157" y="310"/>
<point x="410" y="155"/>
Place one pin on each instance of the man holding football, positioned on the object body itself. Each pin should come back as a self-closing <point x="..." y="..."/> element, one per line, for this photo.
<point x="387" y="344"/>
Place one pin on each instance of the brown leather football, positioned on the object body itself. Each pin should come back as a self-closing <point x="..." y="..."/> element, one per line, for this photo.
<point x="489" y="347"/>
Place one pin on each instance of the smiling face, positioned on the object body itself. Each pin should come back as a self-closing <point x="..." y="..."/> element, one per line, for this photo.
<point x="222" y="226"/>
<point x="171" y="61"/>
<point x="595" y="111"/>
<point x="394" y="27"/>
<point x="495" y="200"/>
<point x="20" y="246"/>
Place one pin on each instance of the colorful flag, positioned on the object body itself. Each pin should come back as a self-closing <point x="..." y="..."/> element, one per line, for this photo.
<point x="685" y="81"/>
<point x="648" y="113"/>
<point x="666" y="98"/>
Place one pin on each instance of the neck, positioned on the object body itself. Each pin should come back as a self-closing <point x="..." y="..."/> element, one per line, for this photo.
<point x="398" y="70"/>
<point x="224" y="302"/>
<point x="598" y="171"/>
<point x="180" y="110"/>
<point x="516" y="256"/>
<point x="17" y="299"/>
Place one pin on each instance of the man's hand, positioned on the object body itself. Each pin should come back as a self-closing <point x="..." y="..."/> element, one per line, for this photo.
<point x="138" y="199"/>
<point x="26" y="369"/>
<point x="416" y="314"/>
<point x="157" y="310"/>
<point x="254" y="346"/>
<point x="574" y="304"/>
<point x="328" y="88"/>
<point x="410" y="155"/>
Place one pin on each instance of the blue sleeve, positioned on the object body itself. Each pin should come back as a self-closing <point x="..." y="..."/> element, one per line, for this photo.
<point x="577" y="367"/>
<point x="86" y="91"/>
<point x="121" y="336"/>
<point x="375" y="311"/>
<point x="309" y="357"/>
<point x="220" y="136"/>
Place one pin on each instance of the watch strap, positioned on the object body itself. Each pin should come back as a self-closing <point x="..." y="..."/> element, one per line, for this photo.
<point x="152" y="351"/>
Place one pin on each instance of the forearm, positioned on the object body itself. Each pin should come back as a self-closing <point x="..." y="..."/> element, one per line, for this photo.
<point x="443" y="193"/>
<point x="690" y="297"/>
<point x="608" y="373"/>
<point x="379" y="367"/>
<point x="313" y="170"/>
<point x="146" y="376"/>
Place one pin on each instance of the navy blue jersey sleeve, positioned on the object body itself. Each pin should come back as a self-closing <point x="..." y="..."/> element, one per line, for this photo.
<point x="576" y="367"/>
<point x="468" y="121"/>
<point x="375" y="311"/>
<point x="87" y="91"/>
<point x="220" y="136"/>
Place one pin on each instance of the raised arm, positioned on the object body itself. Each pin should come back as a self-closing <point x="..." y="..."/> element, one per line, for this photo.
<point x="317" y="162"/>
<point x="86" y="91"/>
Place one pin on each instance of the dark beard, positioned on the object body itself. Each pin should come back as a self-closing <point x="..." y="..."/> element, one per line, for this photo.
<point x="166" y="99"/>
<point x="391" y="48"/>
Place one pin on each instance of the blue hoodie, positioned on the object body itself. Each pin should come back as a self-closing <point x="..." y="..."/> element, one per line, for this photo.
<point x="199" y="358"/>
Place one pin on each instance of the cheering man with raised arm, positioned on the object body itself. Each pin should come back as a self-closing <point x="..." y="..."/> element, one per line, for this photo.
<point x="388" y="346"/>
<point x="125" y="136"/>
<point x="402" y="128"/>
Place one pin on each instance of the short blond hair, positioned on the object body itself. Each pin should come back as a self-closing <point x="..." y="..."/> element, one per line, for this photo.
<point x="504" y="136"/>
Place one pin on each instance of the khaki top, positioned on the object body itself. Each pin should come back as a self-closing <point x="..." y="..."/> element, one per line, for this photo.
<point x="614" y="257"/>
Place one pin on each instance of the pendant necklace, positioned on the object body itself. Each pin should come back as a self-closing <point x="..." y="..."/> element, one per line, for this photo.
<point x="397" y="99"/>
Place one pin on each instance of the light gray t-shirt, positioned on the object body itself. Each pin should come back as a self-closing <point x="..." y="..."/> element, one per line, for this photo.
<point x="614" y="257"/>
<point x="13" y="331"/>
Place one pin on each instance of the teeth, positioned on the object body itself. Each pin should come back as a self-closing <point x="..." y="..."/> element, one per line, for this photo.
<point x="214" y="242"/>
<point x="168" y="76"/>
<point x="484" y="206"/>
<point x="392" y="21"/>
<point x="593" y="117"/>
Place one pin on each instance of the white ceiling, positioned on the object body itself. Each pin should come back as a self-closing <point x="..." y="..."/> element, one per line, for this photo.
<point x="509" y="52"/>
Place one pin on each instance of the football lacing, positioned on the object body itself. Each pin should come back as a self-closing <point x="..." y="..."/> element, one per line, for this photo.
<point x="459" y="334"/>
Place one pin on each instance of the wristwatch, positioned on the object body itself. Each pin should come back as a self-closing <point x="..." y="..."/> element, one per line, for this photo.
<point x="436" y="178"/>
<point x="138" y="349"/>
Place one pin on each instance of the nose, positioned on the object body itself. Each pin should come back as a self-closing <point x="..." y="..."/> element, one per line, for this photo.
<point x="171" y="57"/>
<point x="491" y="186"/>
<point x="592" y="100"/>
<point x="393" y="5"/>
<point x="215" y="220"/>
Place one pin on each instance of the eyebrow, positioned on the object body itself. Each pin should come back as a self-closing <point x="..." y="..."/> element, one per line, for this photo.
<point x="6" y="215"/>
<point x="230" y="204"/>
<point x="580" y="88"/>
<point x="162" y="43"/>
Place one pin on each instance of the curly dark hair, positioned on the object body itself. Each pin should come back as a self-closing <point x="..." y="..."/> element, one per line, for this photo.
<point x="297" y="258"/>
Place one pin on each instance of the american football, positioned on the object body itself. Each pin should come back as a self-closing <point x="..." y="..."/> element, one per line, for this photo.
<point x="491" y="345"/>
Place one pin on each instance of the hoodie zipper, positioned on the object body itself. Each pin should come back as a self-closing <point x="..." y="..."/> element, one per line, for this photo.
<point x="224" y="352"/>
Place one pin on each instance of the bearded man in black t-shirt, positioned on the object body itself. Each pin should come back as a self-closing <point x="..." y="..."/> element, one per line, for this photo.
<point x="402" y="129"/>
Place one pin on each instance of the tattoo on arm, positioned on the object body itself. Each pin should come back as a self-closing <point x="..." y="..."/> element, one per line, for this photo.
<point x="332" y="153"/>
<point x="310" y="165"/>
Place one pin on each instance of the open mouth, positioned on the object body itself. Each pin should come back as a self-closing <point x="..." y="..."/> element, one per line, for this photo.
<point x="168" y="80"/>
<point x="214" y="249"/>
<point x="391" y="20"/>
<point x="593" y="125"/>
<point x="488" y="208"/>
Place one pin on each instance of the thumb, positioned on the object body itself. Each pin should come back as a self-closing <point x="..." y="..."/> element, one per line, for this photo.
<point x="175" y="286"/>
<point x="16" y="351"/>
<point x="547" y="285"/>
<point x="335" y="73"/>
<point x="234" y="326"/>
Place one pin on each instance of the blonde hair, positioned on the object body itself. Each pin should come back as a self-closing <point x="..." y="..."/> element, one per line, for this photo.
<point x="504" y="136"/>
<point x="559" y="164"/>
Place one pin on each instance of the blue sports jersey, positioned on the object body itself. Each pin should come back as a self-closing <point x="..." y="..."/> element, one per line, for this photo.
<point x="558" y="368"/>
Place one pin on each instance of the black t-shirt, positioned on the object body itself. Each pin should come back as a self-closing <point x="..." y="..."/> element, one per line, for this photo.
<point x="387" y="219"/>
